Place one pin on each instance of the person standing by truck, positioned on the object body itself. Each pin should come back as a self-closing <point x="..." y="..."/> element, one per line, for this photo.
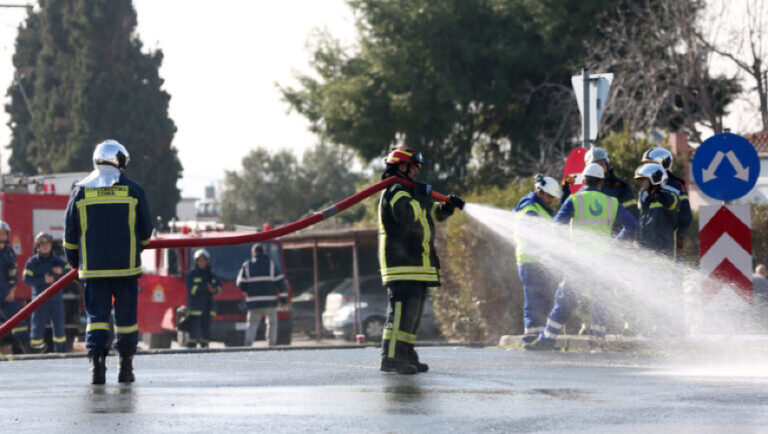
<point x="8" y="304"/>
<point x="106" y="226"/>
<point x="202" y="285"/>
<point x="41" y="271"/>
<point x="262" y="281"/>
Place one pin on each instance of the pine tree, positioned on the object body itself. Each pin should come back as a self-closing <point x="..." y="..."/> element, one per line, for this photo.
<point x="86" y="79"/>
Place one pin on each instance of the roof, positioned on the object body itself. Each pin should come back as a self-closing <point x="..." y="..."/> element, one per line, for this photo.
<point x="759" y="141"/>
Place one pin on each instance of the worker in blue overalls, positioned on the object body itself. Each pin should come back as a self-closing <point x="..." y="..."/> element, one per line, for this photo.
<point x="202" y="285"/>
<point x="42" y="269"/>
<point x="8" y="304"/>
<point x="107" y="225"/>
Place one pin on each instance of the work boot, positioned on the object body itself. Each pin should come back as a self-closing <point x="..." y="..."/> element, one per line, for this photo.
<point x="540" y="344"/>
<point x="39" y="349"/>
<point x="125" y="368"/>
<point x="422" y="367"/>
<point x="398" y="366"/>
<point x="98" y="366"/>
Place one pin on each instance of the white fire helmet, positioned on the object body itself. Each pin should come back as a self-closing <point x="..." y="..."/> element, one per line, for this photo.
<point x="547" y="185"/>
<point x="202" y="252"/>
<point x="594" y="170"/>
<point x="112" y="153"/>
<point x="653" y="171"/>
<point x="660" y="155"/>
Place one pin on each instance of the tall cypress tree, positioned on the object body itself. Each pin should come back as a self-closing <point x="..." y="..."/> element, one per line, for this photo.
<point x="86" y="79"/>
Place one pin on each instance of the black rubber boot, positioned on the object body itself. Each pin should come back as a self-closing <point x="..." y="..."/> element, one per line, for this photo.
<point x="398" y="366"/>
<point x="422" y="367"/>
<point x="98" y="366"/>
<point x="125" y="368"/>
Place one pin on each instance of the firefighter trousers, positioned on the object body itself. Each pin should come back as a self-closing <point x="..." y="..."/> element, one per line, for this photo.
<point x="538" y="293"/>
<point x="53" y="311"/>
<point x="7" y="310"/>
<point x="566" y="299"/>
<point x="200" y="328"/>
<point x="98" y="307"/>
<point x="404" y="309"/>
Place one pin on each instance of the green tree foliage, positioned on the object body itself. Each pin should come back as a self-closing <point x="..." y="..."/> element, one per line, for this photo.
<point x="86" y="78"/>
<point x="760" y="233"/>
<point x="460" y="80"/>
<point x="276" y="188"/>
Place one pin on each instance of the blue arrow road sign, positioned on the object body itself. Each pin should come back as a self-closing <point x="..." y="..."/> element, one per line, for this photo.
<point x="726" y="166"/>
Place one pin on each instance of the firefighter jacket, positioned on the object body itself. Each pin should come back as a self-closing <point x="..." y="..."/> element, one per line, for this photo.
<point x="615" y="187"/>
<point x="38" y="267"/>
<point x="106" y="228"/>
<point x="684" y="214"/>
<point x="199" y="298"/>
<point x="593" y="211"/>
<point x="8" y="270"/>
<point x="529" y="205"/>
<point x="658" y="221"/>
<point x="406" y="236"/>
<point x="262" y="282"/>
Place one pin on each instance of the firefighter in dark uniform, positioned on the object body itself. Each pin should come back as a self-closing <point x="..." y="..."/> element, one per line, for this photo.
<point x="264" y="286"/>
<point x="407" y="257"/>
<point x="8" y="278"/>
<point x="612" y="186"/>
<point x="107" y="225"/>
<point x="676" y="185"/>
<point x="658" y="210"/>
<point x="202" y="285"/>
<point x="41" y="271"/>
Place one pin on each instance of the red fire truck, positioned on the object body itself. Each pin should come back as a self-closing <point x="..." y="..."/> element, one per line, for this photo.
<point x="162" y="291"/>
<point x="35" y="204"/>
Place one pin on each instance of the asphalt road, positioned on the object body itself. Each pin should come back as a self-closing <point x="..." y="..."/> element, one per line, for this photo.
<point x="341" y="390"/>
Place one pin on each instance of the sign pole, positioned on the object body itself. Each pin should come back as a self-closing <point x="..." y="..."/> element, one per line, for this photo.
<point x="585" y="117"/>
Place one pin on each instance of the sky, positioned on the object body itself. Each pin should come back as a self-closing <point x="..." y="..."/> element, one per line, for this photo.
<point x="222" y="62"/>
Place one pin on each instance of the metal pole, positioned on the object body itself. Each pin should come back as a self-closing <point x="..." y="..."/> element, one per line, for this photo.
<point x="318" y="331"/>
<point x="356" y="283"/>
<point x="585" y="117"/>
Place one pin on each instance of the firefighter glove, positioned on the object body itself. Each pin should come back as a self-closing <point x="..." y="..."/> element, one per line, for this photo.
<point x="456" y="201"/>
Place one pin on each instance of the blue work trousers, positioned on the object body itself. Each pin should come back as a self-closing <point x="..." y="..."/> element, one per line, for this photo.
<point x="98" y="307"/>
<point x="7" y="310"/>
<point x="53" y="311"/>
<point x="538" y="292"/>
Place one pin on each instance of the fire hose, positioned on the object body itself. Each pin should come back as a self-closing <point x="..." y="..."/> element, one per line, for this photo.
<point x="305" y="222"/>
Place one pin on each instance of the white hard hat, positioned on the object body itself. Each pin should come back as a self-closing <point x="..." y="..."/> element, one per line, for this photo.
<point x="594" y="170"/>
<point x="660" y="155"/>
<point x="5" y="227"/>
<point x="596" y="154"/>
<point x="202" y="252"/>
<point x="653" y="171"/>
<point x="112" y="153"/>
<point x="547" y="185"/>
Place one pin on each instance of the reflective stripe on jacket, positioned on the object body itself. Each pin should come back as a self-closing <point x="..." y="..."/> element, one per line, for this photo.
<point x="199" y="298"/>
<point x="108" y="227"/>
<point x="406" y="241"/>
<point x="529" y="205"/>
<point x="38" y="266"/>
<point x="262" y="282"/>
<point x="658" y="221"/>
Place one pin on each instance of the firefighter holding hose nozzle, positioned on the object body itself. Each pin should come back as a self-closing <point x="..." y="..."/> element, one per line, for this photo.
<point x="407" y="258"/>
<point x="106" y="226"/>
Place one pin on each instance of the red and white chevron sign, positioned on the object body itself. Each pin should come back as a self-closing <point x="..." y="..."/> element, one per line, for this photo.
<point x="725" y="237"/>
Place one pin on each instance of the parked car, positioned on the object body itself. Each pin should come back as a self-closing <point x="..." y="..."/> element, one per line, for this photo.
<point x="339" y="314"/>
<point x="303" y="307"/>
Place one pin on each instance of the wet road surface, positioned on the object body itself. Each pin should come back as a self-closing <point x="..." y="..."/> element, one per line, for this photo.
<point x="341" y="390"/>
